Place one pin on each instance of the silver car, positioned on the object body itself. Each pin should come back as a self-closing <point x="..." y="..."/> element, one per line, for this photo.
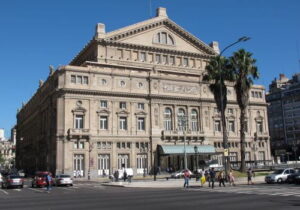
<point x="12" y="181"/>
<point x="63" y="179"/>
<point x="279" y="176"/>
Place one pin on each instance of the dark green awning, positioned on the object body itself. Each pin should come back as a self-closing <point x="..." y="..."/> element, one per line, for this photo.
<point x="179" y="149"/>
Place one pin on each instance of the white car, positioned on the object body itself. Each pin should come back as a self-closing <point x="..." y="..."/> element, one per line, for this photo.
<point x="179" y="174"/>
<point x="279" y="176"/>
<point x="63" y="179"/>
<point x="1" y="179"/>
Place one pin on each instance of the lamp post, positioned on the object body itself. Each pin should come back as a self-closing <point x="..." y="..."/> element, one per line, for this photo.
<point x="225" y="141"/>
<point x="295" y="150"/>
<point x="90" y="159"/>
<point x="196" y="152"/>
<point x="145" y="160"/>
<point x="182" y="124"/>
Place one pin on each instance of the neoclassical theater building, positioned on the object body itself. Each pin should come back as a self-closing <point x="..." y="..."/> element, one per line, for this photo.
<point x="117" y="105"/>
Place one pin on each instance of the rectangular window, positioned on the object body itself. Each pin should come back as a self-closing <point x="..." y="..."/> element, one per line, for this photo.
<point x="103" y="123"/>
<point x="141" y="123"/>
<point x="165" y="59"/>
<point x="231" y="126"/>
<point x="123" y="145"/>
<point x="217" y="125"/>
<point x="259" y="127"/>
<point x="233" y="156"/>
<point x="79" y="79"/>
<point x="103" y="104"/>
<point x="118" y="145"/>
<point x="158" y="59"/>
<point x="85" y="80"/>
<point x="123" y="123"/>
<point x="168" y="124"/>
<point x="141" y="106"/>
<point x="78" y="121"/>
<point x="79" y="145"/>
<point x="73" y="79"/>
<point x="122" y="105"/>
<point x="172" y="60"/>
<point x="128" y="145"/>
<point x="99" y="145"/>
<point x="103" y="164"/>
<point x="150" y="57"/>
<point x="143" y="56"/>
<point x="137" y="145"/>
<point x="185" y="62"/>
<point x="230" y="111"/>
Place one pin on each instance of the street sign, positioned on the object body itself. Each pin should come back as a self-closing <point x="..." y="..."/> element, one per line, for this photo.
<point x="226" y="152"/>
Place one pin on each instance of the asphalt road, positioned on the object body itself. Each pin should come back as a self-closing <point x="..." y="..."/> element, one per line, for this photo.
<point x="94" y="196"/>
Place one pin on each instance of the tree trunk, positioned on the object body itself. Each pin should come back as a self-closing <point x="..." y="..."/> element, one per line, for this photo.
<point x="226" y="162"/>
<point x="242" y="136"/>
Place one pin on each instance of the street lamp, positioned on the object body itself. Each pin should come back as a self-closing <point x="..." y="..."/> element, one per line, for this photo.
<point x="294" y="147"/>
<point x="196" y="152"/>
<point x="91" y="146"/>
<point x="225" y="142"/>
<point x="145" y="159"/>
<point x="182" y="124"/>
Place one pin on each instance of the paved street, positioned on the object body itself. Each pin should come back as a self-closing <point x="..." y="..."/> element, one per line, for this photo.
<point x="95" y="196"/>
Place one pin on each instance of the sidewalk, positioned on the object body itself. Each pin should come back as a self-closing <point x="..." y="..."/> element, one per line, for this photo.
<point x="175" y="183"/>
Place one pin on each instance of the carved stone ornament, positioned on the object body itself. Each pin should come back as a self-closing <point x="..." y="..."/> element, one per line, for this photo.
<point x="184" y="89"/>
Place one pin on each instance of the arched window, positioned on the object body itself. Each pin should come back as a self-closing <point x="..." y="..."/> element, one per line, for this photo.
<point x="194" y="120"/>
<point x="182" y="120"/>
<point x="168" y="119"/>
<point x="163" y="38"/>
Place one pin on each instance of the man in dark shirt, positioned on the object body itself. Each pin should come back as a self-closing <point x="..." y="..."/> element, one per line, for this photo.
<point x="212" y="175"/>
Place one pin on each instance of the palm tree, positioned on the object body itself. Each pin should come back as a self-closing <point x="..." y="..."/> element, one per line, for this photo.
<point x="217" y="72"/>
<point x="245" y="72"/>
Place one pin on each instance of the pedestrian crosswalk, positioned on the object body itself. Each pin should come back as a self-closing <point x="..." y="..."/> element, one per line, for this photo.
<point x="276" y="190"/>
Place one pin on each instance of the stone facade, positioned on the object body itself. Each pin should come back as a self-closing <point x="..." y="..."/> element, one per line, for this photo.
<point x="119" y="98"/>
<point x="7" y="152"/>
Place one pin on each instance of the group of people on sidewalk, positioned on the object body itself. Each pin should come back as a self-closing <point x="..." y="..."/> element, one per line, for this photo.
<point x="211" y="175"/>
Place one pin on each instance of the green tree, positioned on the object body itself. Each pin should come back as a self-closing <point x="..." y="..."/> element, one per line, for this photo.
<point x="218" y="71"/>
<point x="245" y="72"/>
<point x="2" y="160"/>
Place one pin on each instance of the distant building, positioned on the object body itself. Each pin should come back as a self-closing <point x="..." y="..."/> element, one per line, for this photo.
<point x="284" y="117"/>
<point x="120" y="101"/>
<point x="2" y="137"/>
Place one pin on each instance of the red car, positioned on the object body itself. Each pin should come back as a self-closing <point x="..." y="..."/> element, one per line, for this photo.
<point x="40" y="178"/>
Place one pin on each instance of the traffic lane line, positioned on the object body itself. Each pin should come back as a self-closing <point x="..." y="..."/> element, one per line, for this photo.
<point x="36" y="190"/>
<point x="4" y="191"/>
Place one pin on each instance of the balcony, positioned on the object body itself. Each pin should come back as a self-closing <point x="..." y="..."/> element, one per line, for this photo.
<point x="261" y="135"/>
<point x="78" y="133"/>
<point x="175" y="134"/>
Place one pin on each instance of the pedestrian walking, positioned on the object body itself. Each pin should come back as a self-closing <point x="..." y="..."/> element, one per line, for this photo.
<point x="250" y="175"/>
<point x="186" y="176"/>
<point x="124" y="175"/>
<point x="49" y="182"/>
<point x="221" y="178"/>
<point x="231" y="178"/>
<point x="207" y="176"/>
<point x="116" y="175"/>
<point x="212" y="176"/>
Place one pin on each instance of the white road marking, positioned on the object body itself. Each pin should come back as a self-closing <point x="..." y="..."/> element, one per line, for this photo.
<point x="4" y="191"/>
<point x="36" y="190"/>
<point x="17" y="190"/>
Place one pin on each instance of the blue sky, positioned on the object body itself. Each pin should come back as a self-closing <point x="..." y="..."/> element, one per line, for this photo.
<point x="35" y="34"/>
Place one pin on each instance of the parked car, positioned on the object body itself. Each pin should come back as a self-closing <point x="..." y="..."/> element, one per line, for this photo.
<point x="12" y="181"/>
<point x="179" y="174"/>
<point x="63" y="179"/>
<point x="291" y="178"/>
<point x="279" y="176"/>
<point x="297" y="179"/>
<point x="39" y="180"/>
<point x="1" y="179"/>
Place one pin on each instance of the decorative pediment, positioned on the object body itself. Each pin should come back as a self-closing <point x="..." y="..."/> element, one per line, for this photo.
<point x="146" y="33"/>
<point x="79" y="110"/>
<point x="103" y="111"/>
<point x="141" y="113"/>
<point x="122" y="112"/>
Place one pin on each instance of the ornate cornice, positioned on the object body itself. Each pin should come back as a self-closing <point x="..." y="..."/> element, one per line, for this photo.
<point x="147" y="96"/>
